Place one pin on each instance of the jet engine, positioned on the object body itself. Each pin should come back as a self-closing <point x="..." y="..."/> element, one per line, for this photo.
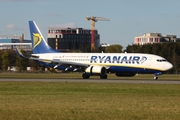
<point x="96" y="70"/>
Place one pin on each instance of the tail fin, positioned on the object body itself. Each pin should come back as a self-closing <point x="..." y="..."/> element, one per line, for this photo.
<point x="39" y="44"/>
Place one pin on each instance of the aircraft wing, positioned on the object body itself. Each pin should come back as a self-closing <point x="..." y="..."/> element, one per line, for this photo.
<point x="57" y="61"/>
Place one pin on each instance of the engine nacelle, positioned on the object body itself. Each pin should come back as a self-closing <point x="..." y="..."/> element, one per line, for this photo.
<point x="96" y="70"/>
<point x="125" y="74"/>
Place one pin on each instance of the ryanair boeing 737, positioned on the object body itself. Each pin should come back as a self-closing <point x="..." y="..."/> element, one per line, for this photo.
<point x="121" y="64"/>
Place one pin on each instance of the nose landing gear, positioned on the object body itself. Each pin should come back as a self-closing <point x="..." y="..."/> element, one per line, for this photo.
<point x="156" y="75"/>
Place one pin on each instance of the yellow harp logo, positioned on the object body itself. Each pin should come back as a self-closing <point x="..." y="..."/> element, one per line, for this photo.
<point x="37" y="39"/>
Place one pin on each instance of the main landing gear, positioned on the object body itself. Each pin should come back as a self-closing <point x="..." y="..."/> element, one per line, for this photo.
<point x="86" y="76"/>
<point x="103" y="76"/>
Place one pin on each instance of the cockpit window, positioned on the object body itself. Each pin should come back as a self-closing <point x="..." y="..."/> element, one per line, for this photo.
<point x="161" y="60"/>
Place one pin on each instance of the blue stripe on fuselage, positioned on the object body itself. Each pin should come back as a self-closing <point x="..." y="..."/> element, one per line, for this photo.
<point x="114" y="69"/>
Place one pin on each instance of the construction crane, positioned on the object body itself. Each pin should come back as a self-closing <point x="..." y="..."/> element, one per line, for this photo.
<point x="93" y="20"/>
<point x="9" y="36"/>
<point x="21" y="38"/>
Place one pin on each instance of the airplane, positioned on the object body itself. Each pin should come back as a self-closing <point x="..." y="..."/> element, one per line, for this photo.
<point x="96" y="64"/>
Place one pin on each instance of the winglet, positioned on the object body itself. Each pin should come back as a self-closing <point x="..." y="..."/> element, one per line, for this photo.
<point x="19" y="52"/>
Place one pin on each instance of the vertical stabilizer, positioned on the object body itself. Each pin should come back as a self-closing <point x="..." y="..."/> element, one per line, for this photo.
<point x="39" y="44"/>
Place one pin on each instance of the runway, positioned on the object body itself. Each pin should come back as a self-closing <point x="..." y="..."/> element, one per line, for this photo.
<point x="127" y="81"/>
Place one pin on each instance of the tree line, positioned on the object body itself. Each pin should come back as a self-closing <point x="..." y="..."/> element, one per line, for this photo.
<point x="9" y="58"/>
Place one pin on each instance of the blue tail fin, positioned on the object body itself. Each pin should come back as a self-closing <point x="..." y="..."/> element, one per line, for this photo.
<point x="39" y="44"/>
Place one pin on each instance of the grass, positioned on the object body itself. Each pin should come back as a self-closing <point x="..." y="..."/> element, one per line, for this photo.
<point x="88" y="101"/>
<point x="79" y="75"/>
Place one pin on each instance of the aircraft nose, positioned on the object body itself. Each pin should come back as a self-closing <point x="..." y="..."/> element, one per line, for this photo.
<point x="169" y="66"/>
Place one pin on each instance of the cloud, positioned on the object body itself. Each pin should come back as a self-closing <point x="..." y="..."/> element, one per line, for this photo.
<point x="14" y="27"/>
<point x="11" y="26"/>
<point x="70" y="25"/>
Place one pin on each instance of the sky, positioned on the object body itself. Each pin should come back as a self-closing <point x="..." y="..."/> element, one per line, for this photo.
<point x="128" y="18"/>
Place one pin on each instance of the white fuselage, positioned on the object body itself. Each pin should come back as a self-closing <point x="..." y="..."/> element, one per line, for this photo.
<point x="130" y="60"/>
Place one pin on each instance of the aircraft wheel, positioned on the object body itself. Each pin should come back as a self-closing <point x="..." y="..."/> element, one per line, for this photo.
<point x="155" y="78"/>
<point x="104" y="76"/>
<point x="85" y="76"/>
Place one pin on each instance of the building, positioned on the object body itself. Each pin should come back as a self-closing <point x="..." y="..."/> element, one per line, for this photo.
<point x="150" y="38"/>
<point x="11" y="43"/>
<point x="69" y="39"/>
